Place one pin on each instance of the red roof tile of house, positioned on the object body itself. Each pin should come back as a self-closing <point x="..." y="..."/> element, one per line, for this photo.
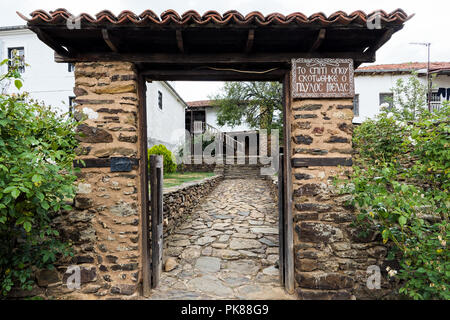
<point x="199" y="103"/>
<point x="380" y="68"/>
<point x="171" y="17"/>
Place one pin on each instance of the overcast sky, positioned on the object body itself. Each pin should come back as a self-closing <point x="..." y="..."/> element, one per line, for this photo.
<point x="430" y="24"/>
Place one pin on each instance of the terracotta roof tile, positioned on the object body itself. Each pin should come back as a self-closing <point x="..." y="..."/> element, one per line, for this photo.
<point x="409" y="66"/>
<point x="169" y="17"/>
<point x="199" y="103"/>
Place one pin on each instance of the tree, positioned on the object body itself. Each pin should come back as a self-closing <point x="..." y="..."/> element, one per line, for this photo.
<point x="257" y="103"/>
<point x="409" y="100"/>
<point x="36" y="179"/>
<point x="400" y="183"/>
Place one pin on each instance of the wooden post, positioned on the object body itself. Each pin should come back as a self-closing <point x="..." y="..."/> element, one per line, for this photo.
<point x="281" y="219"/>
<point x="287" y="176"/>
<point x="143" y="167"/>
<point x="156" y="191"/>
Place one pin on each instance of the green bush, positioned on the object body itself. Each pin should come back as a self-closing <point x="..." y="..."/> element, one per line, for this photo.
<point x="169" y="160"/>
<point x="36" y="154"/>
<point x="400" y="187"/>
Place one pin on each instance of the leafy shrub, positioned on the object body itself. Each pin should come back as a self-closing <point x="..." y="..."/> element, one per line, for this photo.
<point x="169" y="160"/>
<point x="401" y="186"/>
<point x="36" y="154"/>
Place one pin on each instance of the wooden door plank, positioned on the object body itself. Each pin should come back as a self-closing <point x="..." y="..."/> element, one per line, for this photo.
<point x="143" y="170"/>
<point x="287" y="170"/>
<point x="281" y="224"/>
<point x="156" y="191"/>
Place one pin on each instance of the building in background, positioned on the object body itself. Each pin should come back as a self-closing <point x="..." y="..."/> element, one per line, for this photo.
<point x="202" y="115"/>
<point x="52" y="83"/>
<point x="373" y="85"/>
<point x="44" y="79"/>
<point x="165" y="116"/>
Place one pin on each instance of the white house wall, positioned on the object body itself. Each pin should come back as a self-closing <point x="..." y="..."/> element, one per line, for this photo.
<point x="44" y="79"/>
<point x="369" y="88"/>
<point x="167" y="125"/>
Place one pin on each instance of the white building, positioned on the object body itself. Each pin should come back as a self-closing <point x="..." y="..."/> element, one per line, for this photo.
<point x="165" y="115"/>
<point x="53" y="84"/>
<point x="373" y="85"/>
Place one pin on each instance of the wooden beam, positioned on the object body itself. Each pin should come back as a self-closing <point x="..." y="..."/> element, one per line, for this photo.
<point x="100" y="163"/>
<point x="45" y="38"/>
<point x="384" y="38"/>
<point x="156" y="202"/>
<point x="321" y="162"/>
<point x="250" y="39"/>
<point x="180" y="43"/>
<point x="211" y="58"/>
<point x="144" y="196"/>
<point x="108" y="41"/>
<point x="207" y="74"/>
<point x="319" y="40"/>
<point x="288" y="193"/>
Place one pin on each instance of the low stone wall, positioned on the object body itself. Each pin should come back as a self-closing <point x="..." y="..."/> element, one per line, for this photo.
<point x="180" y="200"/>
<point x="192" y="167"/>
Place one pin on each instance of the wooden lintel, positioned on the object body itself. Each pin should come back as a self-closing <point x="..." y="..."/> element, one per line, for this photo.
<point x="44" y="37"/>
<point x="250" y="39"/>
<point x="211" y="58"/>
<point x="202" y="75"/>
<point x="180" y="43"/>
<point x="100" y="163"/>
<point x="319" y="40"/>
<point x="321" y="162"/>
<point x="108" y="41"/>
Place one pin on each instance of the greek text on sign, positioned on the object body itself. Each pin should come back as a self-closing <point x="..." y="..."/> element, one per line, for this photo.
<point x="322" y="78"/>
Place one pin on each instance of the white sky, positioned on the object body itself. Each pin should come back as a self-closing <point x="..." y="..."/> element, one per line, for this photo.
<point x="430" y="24"/>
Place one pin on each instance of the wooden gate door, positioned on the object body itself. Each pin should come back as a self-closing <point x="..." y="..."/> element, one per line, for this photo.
<point x="156" y="196"/>
<point x="281" y="223"/>
<point x="285" y="195"/>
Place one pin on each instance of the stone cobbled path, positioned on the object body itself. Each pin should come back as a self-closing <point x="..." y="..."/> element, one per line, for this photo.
<point x="227" y="249"/>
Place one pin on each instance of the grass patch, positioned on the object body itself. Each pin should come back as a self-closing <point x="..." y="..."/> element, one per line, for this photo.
<point x="177" y="178"/>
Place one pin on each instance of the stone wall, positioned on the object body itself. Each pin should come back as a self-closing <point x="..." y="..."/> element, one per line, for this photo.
<point x="192" y="167"/>
<point x="180" y="200"/>
<point x="104" y="225"/>
<point x="330" y="260"/>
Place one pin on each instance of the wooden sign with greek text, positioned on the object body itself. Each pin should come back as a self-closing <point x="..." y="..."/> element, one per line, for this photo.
<point x="322" y="78"/>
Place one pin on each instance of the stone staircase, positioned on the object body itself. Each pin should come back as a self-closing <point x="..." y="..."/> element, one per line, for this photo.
<point x="239" y="171"/>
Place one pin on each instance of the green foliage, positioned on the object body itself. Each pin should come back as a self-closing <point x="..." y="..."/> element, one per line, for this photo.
<point x="409" y="99"/>
<point x="259" y="103"/>
<point x="401" y="186"/>
<point x="36" y="155"/>
<point x="169" y="161"/>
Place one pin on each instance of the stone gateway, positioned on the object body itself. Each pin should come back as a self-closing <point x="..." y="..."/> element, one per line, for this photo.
<point x="313" y="57"/>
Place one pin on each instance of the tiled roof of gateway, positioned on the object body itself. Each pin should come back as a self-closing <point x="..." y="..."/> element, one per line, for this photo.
<point x="171" y="17"/>
<point x="434" y="66"/>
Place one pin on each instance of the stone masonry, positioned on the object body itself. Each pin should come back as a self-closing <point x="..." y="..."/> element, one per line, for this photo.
<point x="330" y="260"/>
<point x="104" y="225"/>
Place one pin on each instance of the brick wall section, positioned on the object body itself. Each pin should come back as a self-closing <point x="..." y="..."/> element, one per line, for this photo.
<point x="104" y="226"/>
<point x="330" y="261"/>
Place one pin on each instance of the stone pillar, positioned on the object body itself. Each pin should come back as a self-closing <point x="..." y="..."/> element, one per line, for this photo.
<point x="326" y="256"/>
<point x="104" y="226"/>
